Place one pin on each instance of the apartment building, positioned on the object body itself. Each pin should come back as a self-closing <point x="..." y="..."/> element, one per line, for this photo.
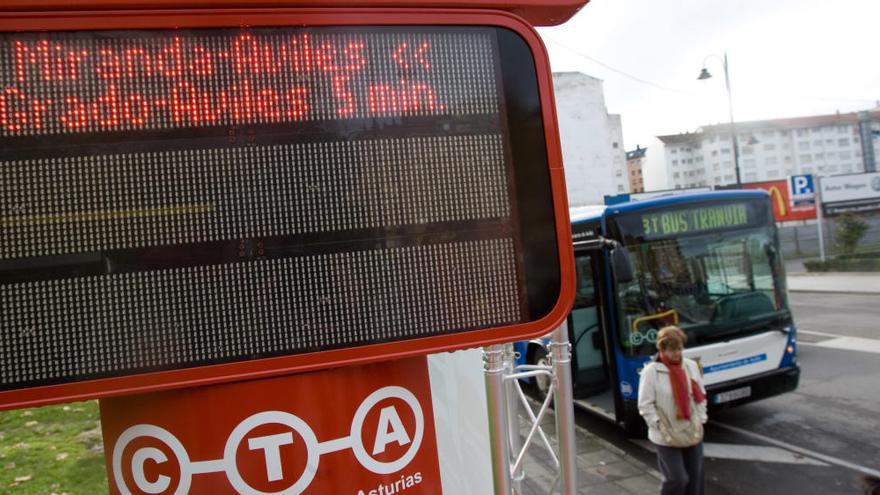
<point x="773" y="149"/>
<point x="634" y="167"/>
<point x="592" y="140"/>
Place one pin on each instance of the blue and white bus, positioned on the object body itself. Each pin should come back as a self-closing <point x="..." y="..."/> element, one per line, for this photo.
<point x="708" y="262"/>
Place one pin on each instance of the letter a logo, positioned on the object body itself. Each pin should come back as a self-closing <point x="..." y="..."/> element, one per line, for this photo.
<point x="390" y="429"/>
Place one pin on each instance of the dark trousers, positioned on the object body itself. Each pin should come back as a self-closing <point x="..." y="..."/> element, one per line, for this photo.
<point x="682" y="470"/>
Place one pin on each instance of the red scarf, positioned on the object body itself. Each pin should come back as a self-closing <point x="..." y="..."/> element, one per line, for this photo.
<point x="678" y="379"/>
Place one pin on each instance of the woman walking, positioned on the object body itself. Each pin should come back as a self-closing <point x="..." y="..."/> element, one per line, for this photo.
<point x="672" y="400"/>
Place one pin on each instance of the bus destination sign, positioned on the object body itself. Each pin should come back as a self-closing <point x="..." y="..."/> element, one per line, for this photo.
<point x="690" y="221"/>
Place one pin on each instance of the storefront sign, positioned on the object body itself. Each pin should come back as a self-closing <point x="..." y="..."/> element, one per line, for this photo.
<point x="855" y="192"/>
<point x="784" y="209"/>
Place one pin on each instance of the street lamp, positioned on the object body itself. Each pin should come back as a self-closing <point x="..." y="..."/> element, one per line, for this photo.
<point x="704" y="74"/>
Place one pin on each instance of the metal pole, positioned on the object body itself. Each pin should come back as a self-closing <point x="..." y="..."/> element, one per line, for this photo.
<point x="493" y="369"/>
<point x="819" y="218"/>
<point x="560" y="351"/>
<point x="733" y="137"/>
<point x="513" y="422"/>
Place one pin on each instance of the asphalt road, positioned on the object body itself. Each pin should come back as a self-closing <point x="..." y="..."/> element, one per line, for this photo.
<point x="814" y="440"/>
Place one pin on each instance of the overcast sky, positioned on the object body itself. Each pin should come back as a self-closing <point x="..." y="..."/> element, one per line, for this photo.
<point x="787" y="58"/>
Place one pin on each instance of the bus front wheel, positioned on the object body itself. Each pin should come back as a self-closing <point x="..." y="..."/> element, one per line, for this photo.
<point x="541" y="383"/>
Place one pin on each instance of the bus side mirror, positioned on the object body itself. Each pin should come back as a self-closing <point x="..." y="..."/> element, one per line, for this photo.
<point x="622" y="265"/>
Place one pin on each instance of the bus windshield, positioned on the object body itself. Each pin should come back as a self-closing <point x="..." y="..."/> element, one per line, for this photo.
<point x="716" y="286"/>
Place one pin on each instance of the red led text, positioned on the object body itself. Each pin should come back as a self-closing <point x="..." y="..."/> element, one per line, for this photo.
<point x="59" y="86"/>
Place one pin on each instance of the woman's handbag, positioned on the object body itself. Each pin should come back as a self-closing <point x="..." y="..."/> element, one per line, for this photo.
<point x="682" y="433"/>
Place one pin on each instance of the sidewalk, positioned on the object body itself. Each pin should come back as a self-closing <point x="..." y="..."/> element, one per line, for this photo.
<point x="839" y="282"/>
<point x="603" y="469"/>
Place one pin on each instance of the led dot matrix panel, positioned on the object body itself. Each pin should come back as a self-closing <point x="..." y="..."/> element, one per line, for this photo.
<point x="171" y="199"/>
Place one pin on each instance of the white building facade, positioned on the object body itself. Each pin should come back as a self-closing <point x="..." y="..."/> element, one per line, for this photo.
<point x="592" y="140"/>
<point x="772" y="150"/>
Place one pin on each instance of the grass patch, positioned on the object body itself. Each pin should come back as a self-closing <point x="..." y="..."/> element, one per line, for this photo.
<point x="52" y="449"/>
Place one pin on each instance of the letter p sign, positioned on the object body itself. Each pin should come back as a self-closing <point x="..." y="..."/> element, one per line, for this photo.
<point x="801" y="190"/>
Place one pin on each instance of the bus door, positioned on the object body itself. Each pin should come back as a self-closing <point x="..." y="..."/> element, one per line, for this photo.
<point x="586" y="331"/>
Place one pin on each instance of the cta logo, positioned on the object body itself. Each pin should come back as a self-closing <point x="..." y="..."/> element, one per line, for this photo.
<point x="272" y="452"/>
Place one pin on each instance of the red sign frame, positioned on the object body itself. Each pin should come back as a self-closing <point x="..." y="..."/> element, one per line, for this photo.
<point x="190" y="377"/>
<point x="536" y="12"/>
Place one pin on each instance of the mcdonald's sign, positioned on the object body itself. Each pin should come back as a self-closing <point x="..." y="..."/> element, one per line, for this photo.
<point x="783" y="210"/>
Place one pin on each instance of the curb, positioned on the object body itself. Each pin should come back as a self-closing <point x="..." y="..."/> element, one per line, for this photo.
<point x="842" y="292"/>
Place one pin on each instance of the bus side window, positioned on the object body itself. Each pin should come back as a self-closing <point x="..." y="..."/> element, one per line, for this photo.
<point x="586" y="329"/>
<point x="585" y="294"/>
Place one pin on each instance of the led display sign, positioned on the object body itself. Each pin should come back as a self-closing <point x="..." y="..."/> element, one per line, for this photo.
<point x="286" y="197"/>
<point x="675" y="222"/>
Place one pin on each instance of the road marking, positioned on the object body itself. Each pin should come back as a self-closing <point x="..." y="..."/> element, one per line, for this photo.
<point x="848" y="344"/>
<point x="738" y="452"/>
<point x="800" y="450"/>
<point x="819" y="334"/>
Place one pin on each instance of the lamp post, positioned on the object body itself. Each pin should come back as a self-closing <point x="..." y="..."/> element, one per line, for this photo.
<point x="704" y="74"/>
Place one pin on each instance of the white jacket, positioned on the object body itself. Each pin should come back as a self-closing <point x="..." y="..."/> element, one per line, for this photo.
<point x="656" y="398"/>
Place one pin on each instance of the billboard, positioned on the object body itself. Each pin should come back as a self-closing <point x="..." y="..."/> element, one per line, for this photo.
<point x="854" y="192"/>
<point x="784" y="209"/>
<point x="213" y="203"/>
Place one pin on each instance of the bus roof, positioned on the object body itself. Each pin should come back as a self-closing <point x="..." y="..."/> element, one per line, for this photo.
<point x="580" y="214"/>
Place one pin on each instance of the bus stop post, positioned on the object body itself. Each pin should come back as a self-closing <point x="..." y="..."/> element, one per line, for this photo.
<point x="560" y="352"/>
<point x="493" y="369"/>
<point x="515" y="436"/>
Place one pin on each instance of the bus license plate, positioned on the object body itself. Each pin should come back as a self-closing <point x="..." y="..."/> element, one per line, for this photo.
<point x="737" y="393"/>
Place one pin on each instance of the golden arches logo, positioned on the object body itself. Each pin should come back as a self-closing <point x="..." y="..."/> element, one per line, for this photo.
<point x="780" y="200"/>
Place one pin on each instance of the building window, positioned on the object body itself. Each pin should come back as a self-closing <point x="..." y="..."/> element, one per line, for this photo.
<point x="807" y="170"/>
<point x="673" y="150"/>
<point x="716" y="166"/>
<point x="817" y="143"/>
<point x="749" y="163"/>
<point x="843" y="142"/>
<point x="729" y="177"/>
<point x="614" y="145"/>
<point x="801" y="132"/>
<point x="771" y="160"/>
<point x="690" y="160"/>
<point x="804" y="145"/>
<point x="769" y="147"/>
<point x="619" y="188"/>
<point x="676" y="175"/>
<point x="820" y="156"/>
<point x="806" y="159"/>
<point x="772" y="174"/>
<point x="748" y="150"/>
<point x="786" y="145"/>
<point x="787" y="159"/>
<point x="831" y="169"/>
<point x="714" y="152"/>
<point x="750" y="177"/>
<point x="725" y="151"/>
<point x="845" y="155"/>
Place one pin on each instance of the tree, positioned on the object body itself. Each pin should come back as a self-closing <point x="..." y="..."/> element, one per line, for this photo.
<point x="850" y="230"/>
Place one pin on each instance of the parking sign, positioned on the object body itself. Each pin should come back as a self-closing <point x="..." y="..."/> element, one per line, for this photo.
<point x="802" y="192"/>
